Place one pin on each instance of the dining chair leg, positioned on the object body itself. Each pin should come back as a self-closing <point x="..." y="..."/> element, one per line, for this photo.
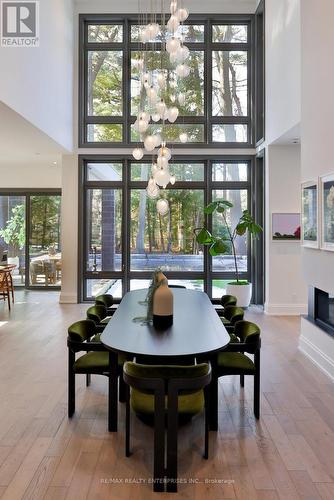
<point x="159" y="441"/>
<point x="71" y="384"/>
<point x="257" y="385"/>
<point x="213" y="403"/>
<point x="172" y="431"/>
<point x="127" y="421"/>
<point x="112" y="393"/>
<point x="242" y="380"/>
<point x="122" y="390"/>
<point x="206" y="417"/>
<point x="88" y="379"/>
<point x="11" y="286"/>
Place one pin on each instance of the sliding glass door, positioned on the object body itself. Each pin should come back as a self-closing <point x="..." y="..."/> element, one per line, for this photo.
<point x="13" y="234"/>
<point x="30" y="224"/>
<point x="123" y="237"/>
<point x="44" y="240"/>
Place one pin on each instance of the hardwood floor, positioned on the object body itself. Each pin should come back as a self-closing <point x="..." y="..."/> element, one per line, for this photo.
<point x="288" y="454"/>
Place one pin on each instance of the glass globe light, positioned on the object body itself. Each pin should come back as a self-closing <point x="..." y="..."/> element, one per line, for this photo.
<point x="153" y="193"/>
<point x="145" y="35"/>
<point x="154" y="169"/>
<point x="183" y="137"/>
<point x="146" y="79"/>
<point x="135" y="125"/>
<point x="165" y="152"/>
<point x="152" y="95"/>
<point x="181" y="98"/>
<point x="182" y="54"/>
<point x="161" y="80"/>
<point x="162" y="177"/>
<point x="172" y="45"/>
<point x="153" y="30"/>
<point x="155" y="117"/>
<point x="138" y="153"/>
<point x="173" y="23"/>
<point x="172" y="180"/>
<point x="173" y="6"/>
<point x="173" y="113"/>
<point x="182" y="70"/>
<point x="182" y="14"/>
<point x="162" y="162"/>
<point x="162" y="206"/>
<point x="142" y="125"/>
<point x="172" y="57"/>
<point x="157" y="140"/>
<point x="172" y="98"/>
<point x="149" y="143"/>
<point x="144" y="116"/>
<point x="161" y="107"/>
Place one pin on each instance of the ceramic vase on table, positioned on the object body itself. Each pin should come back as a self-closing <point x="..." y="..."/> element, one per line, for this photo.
<point x="162" y="304"/>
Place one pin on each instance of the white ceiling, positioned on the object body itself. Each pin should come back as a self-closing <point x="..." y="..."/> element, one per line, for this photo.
<point x="195" y="6"/>
<point x="21" y="142"/>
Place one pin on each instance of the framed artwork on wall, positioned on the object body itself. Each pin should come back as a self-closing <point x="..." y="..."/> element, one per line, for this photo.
<point x="310" y="214"/>
<point x="285" y="227"/>
<point x="327" y="212"/>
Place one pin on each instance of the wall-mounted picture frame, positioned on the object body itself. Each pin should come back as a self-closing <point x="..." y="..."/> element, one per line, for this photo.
<point x="327" y="212"/>
<point x="285" y="226"/>
<point x="310" y="214"/>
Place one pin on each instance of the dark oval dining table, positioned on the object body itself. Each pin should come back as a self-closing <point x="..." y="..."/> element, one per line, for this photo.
<point x="196" y="331"/>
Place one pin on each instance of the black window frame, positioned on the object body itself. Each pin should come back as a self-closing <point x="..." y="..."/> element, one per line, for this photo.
<point x="253" y="183"/>
<point x="127" y="46"/>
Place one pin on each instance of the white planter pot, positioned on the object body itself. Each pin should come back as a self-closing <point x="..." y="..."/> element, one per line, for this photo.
<point x="242" y="292"/>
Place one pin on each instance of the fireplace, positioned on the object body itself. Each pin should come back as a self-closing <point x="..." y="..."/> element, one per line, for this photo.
<point x="321" y="309"/>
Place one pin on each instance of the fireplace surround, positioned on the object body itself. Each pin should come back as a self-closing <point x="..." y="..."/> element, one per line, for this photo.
<point x="321" y="309"/>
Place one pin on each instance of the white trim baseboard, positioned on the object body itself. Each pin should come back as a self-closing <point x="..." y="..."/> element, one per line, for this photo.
<point x="285" y="309"/>
<point x="66" y="298"/>
<point x="318" y="347"/>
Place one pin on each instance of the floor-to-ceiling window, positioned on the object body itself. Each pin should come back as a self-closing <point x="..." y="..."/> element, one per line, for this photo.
<point x="30" y="236"/>
<point x="122" y="237"/>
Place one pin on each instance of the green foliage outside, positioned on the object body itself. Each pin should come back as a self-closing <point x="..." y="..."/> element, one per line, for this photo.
<point x="14" y="232"/>
<point x="105" y="84"/>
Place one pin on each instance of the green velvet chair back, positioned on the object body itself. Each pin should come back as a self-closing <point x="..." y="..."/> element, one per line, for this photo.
<point x="96" y="313"/>
<point x="139" y="376"/>
<point x="228" y="300"/>
<point x="233" y="314"/>
<point x="82" y="330"/>
<point x="249" y="334"/>
<point x="105" y="300"/>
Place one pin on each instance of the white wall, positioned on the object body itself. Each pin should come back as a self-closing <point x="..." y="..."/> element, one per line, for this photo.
<point x="317" y="71"/>
<point x="38" y="82"/>
<point x="27" y="175"/>
<point x="69" y="232"/>
<point x="286" y="291"/>
<point x="317" y="119"/>
<point x="282" y="67"/>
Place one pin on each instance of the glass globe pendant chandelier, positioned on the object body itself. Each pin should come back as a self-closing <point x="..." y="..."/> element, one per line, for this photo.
<point x="158" y="78"/>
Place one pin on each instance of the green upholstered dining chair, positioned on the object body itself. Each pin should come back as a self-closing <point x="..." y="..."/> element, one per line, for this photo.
<point x="107" y="301"/>
<point x="225" y="301"/>
<point x="99" y="315"/>
<point x="232" y="314"/>
<point x="166" y="391"/>
<point x="97" y="360"/>
<point x="234" y="360"/>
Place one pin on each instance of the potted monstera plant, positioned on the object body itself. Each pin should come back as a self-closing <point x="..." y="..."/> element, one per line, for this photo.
<point x="225" y="244"/>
